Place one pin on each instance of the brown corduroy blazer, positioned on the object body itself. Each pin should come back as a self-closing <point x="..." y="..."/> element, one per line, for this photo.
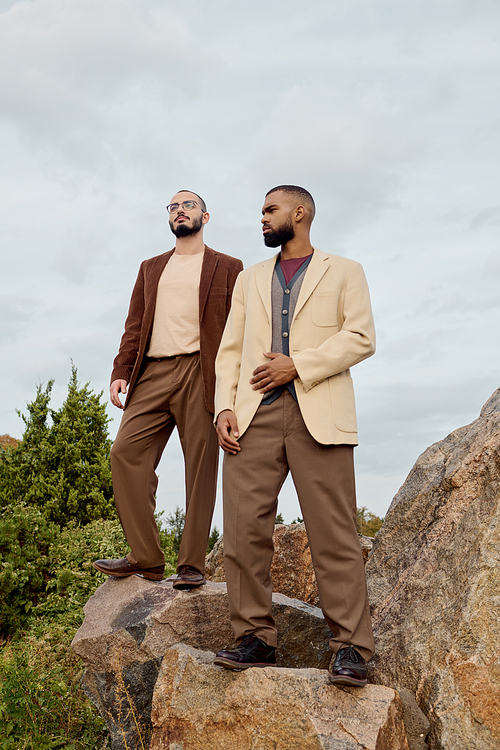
<point x="218" y="276"/>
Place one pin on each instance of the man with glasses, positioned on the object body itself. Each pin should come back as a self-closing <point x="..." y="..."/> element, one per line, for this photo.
<point x="165" y="370"/>
<point x="284" y="402"/>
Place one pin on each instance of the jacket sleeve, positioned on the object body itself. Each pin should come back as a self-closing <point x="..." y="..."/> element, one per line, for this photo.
<point x="129" y="345"/>
<point x="354" y="341"/>
<point x="228" y="361"/>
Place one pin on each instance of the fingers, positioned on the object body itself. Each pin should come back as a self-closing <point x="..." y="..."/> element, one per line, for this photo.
<point x="278" y="371"/>
<point x="263" y="382"/>
<point x="227" y="432"/>
<point x="116" y="387"/>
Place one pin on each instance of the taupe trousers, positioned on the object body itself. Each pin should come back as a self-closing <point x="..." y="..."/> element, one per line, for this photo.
<point x="277" y="441"/>
<point x="168" y="394"/>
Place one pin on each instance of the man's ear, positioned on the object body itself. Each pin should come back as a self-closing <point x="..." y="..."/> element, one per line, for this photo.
<point x="205" y="218"/>
<point x="299" y="213"/>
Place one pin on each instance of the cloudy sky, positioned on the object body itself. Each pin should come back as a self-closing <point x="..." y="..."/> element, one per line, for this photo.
<point x="387" y="111"/>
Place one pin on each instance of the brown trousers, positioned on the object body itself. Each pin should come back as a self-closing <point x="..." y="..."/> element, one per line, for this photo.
<point x="168" y="393"/>
<point x="278" y="441"/>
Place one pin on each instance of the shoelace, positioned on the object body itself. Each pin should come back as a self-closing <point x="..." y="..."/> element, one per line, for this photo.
<point x="349" y="653"/>
<point x="248" y="646"/>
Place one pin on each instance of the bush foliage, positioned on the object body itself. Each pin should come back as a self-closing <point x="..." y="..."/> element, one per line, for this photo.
<point x="41" y="703"/>
<point x="46" y="572"/>
<point x="368" y="524"/>
<point x="61" y="465"/>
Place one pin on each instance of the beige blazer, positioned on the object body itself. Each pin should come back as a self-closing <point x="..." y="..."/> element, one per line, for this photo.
<point x="332" y="329"/>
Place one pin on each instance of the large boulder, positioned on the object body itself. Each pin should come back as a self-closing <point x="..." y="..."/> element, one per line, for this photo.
<point x="434" y="584"/>
<point x="130" y="623"/>
<point x="292" y="570"/>
<point x="197" y="706"/>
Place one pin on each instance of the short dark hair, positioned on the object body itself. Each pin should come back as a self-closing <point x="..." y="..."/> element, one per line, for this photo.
<point x="300" y="192"/>
<point x="202" y="202"/>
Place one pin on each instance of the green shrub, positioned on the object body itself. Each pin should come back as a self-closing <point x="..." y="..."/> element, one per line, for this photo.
<point x="46" y="572"/>
<point x="368" y="524"/>
<point x="73" y="580"/>
<point x="42" y="705"/>
<point x="26" y="538"/>
<point x="62" y="464"/>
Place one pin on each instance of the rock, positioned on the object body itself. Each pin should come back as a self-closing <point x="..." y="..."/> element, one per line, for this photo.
<point x="292" y="571"/>
<point x="416" y="722"/>
<point x="434" y="582"/>
<point x="130" y="623"/>
<point x="197" y="706"/>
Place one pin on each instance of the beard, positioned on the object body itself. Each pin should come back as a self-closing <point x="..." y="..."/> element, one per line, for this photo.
<point x="185" y="230"/>
<point x="280" y="236"/>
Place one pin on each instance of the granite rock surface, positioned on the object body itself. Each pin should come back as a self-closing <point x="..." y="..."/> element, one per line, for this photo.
<point x="130" y="623"/>
<point x="434" y="584"/>
<point x="197" y="705"/>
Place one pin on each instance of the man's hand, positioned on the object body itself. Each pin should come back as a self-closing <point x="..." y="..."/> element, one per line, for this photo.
<point x="227" y="427"/>
<point x="278" y="371"/>
<point x="116" y="387"/>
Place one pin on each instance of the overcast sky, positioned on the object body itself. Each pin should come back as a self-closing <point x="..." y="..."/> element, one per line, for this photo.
<point x="387" y="112"/>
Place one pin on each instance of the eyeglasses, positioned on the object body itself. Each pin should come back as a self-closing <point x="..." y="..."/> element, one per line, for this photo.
<point x="186" y="205"/>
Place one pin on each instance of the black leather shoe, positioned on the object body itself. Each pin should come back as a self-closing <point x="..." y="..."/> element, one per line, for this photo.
<point x="188" y="578"/>
<point x="349" y="668"/>
<point x="122" y="568"/>
<point x="251" y="652"/>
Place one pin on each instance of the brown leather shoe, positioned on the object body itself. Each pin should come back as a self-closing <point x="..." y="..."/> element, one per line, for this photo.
<point x="122" y="568"/>
<point x="188" y="578"/>
<point x="349" y="668"/>
<point x="251" y="652"/>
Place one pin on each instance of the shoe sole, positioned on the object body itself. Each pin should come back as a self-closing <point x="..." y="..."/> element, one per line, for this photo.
<point x="237" y="667"/>
<point x="187" y="586"/>
<point x="344" y="680"/>
<point x="143" y="573"/>
<point x="150" y="576"/>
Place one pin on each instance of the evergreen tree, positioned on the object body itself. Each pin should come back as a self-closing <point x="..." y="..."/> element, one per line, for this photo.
<point x="175" y="526"/>
<point x="213" y="538"/>
<point x="62" y="464"/>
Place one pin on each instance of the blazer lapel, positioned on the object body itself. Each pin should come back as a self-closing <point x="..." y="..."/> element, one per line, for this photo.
<point x="263" y="280"/>
<point x="320" y="262"/>
<point x="210" y="261"/>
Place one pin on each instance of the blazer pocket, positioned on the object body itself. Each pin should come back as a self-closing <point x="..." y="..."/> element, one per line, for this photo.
<point x="342" y="401"/>
<point x="324" y="308"/>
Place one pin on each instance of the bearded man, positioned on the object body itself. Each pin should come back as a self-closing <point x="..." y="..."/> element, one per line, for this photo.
<point x="165" y="369"/>
<point x="285" y="402"/>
